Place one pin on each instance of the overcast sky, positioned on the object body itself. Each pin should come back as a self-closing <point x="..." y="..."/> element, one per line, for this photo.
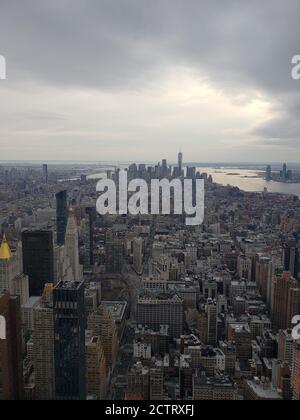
<point x="141" y="79"/>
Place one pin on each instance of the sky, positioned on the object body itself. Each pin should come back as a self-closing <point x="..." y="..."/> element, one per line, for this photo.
<point x="113" y="80"/>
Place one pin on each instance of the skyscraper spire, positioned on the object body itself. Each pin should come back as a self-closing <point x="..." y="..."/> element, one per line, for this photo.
<point x="5" y="251"/>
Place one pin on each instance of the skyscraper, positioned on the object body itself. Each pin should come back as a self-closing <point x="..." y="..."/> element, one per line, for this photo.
<point x="11" y="367"/>
<point x="69" y="341"/>
<point x="43" y="346"/>
<point x="61" y="216"/>
<point x="71" y="244"/>
<point x="113" y="253"/>
<point x="164" y="168"/>
<point x="286" y="301"/>
<point x="291" y="258"/>
<point x="102" y="325"/>
<point x="180" y="157"/>
<point x="38" y="258"/>
<point x="45" y="173"/>
<point x="95" y="368"/>
<point x="12" y="278"/>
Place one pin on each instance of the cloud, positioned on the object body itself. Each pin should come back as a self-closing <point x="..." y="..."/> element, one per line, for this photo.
<point x="132" y="50"/>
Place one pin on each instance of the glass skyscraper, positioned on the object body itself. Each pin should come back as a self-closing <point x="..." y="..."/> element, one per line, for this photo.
<point x="69" y="344"/>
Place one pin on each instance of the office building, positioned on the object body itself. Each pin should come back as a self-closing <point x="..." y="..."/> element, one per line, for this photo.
<point x="12" y="278"/>
<point x="156" y="309"/>
<point x="95" y="368"/>
<point x="218" y="388"/>
<point x="11" y="363"/>
<point x="69" y="341"/>
<point x="45" y="173"/>
<point x="43" y="347"/>
<point x="38" y="259"/>
<point x="61" y="216"/>
<point x="286" y="301"/>
<point x="72" y="249"/>
<point x="113" y="254"/>
<point x="101" y="324"/>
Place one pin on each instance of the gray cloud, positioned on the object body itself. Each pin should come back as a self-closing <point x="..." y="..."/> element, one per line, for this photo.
<point x="114" y="45"/>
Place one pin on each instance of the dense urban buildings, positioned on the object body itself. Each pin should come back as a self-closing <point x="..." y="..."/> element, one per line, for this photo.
<point x="141" y="307"/>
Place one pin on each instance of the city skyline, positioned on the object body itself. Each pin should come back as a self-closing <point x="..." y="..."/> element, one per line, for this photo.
<point x="135" y="78"/>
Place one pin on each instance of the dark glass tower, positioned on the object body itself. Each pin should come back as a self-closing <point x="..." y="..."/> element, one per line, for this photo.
<point x="291" y="258"/>
<point x="69" y="345"/>
<point x="61" y="216"/>
<point x="38" y="259"/>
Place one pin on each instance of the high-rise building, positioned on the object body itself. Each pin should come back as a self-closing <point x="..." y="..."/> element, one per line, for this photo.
<point x="207" y="323"/>
<point x="11" y="362"/>
<point x="69" y="341"/>
<point x="296" y="371"/>
<point x="286" y="301"/>
<point x="102" y="325"/>
<point x="45" y="173"/>
<point x="180" y="157"/>
<point x="61" y="216"/>
<point x="71" y="244"/>
<point x="212" y="322"/>
<point x="12" y="278"/>
<point x="164" y="168"/>
<point x="268" y="173"/>
<point x="291" y="258"/>
<point x="38" y="259"/>
<point x="285" y="346"/>
<point x="156" y="385"/>
<point x="284" y="171"/>
<point x="95" y="368"/>
<point x="113" y="254"/>
<point x="43" y="346"/>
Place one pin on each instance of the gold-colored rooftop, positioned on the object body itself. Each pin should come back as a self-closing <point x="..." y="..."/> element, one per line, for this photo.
<point x="5" y="251"/>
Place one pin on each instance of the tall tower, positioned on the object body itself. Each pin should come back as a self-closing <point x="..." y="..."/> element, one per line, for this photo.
<point x="43" y="346"/>
<point x="71" y="244"/>
<point x="45" y="173"/>
<point x="180" y="157"/>
<point x="291" y="257"/>
<point x="69" y="341"/>
<point x="61" y="216"/>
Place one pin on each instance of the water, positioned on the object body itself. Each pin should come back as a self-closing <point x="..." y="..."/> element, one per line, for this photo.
<point x="245" y="179"/>
<point x="248" y="180"/>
